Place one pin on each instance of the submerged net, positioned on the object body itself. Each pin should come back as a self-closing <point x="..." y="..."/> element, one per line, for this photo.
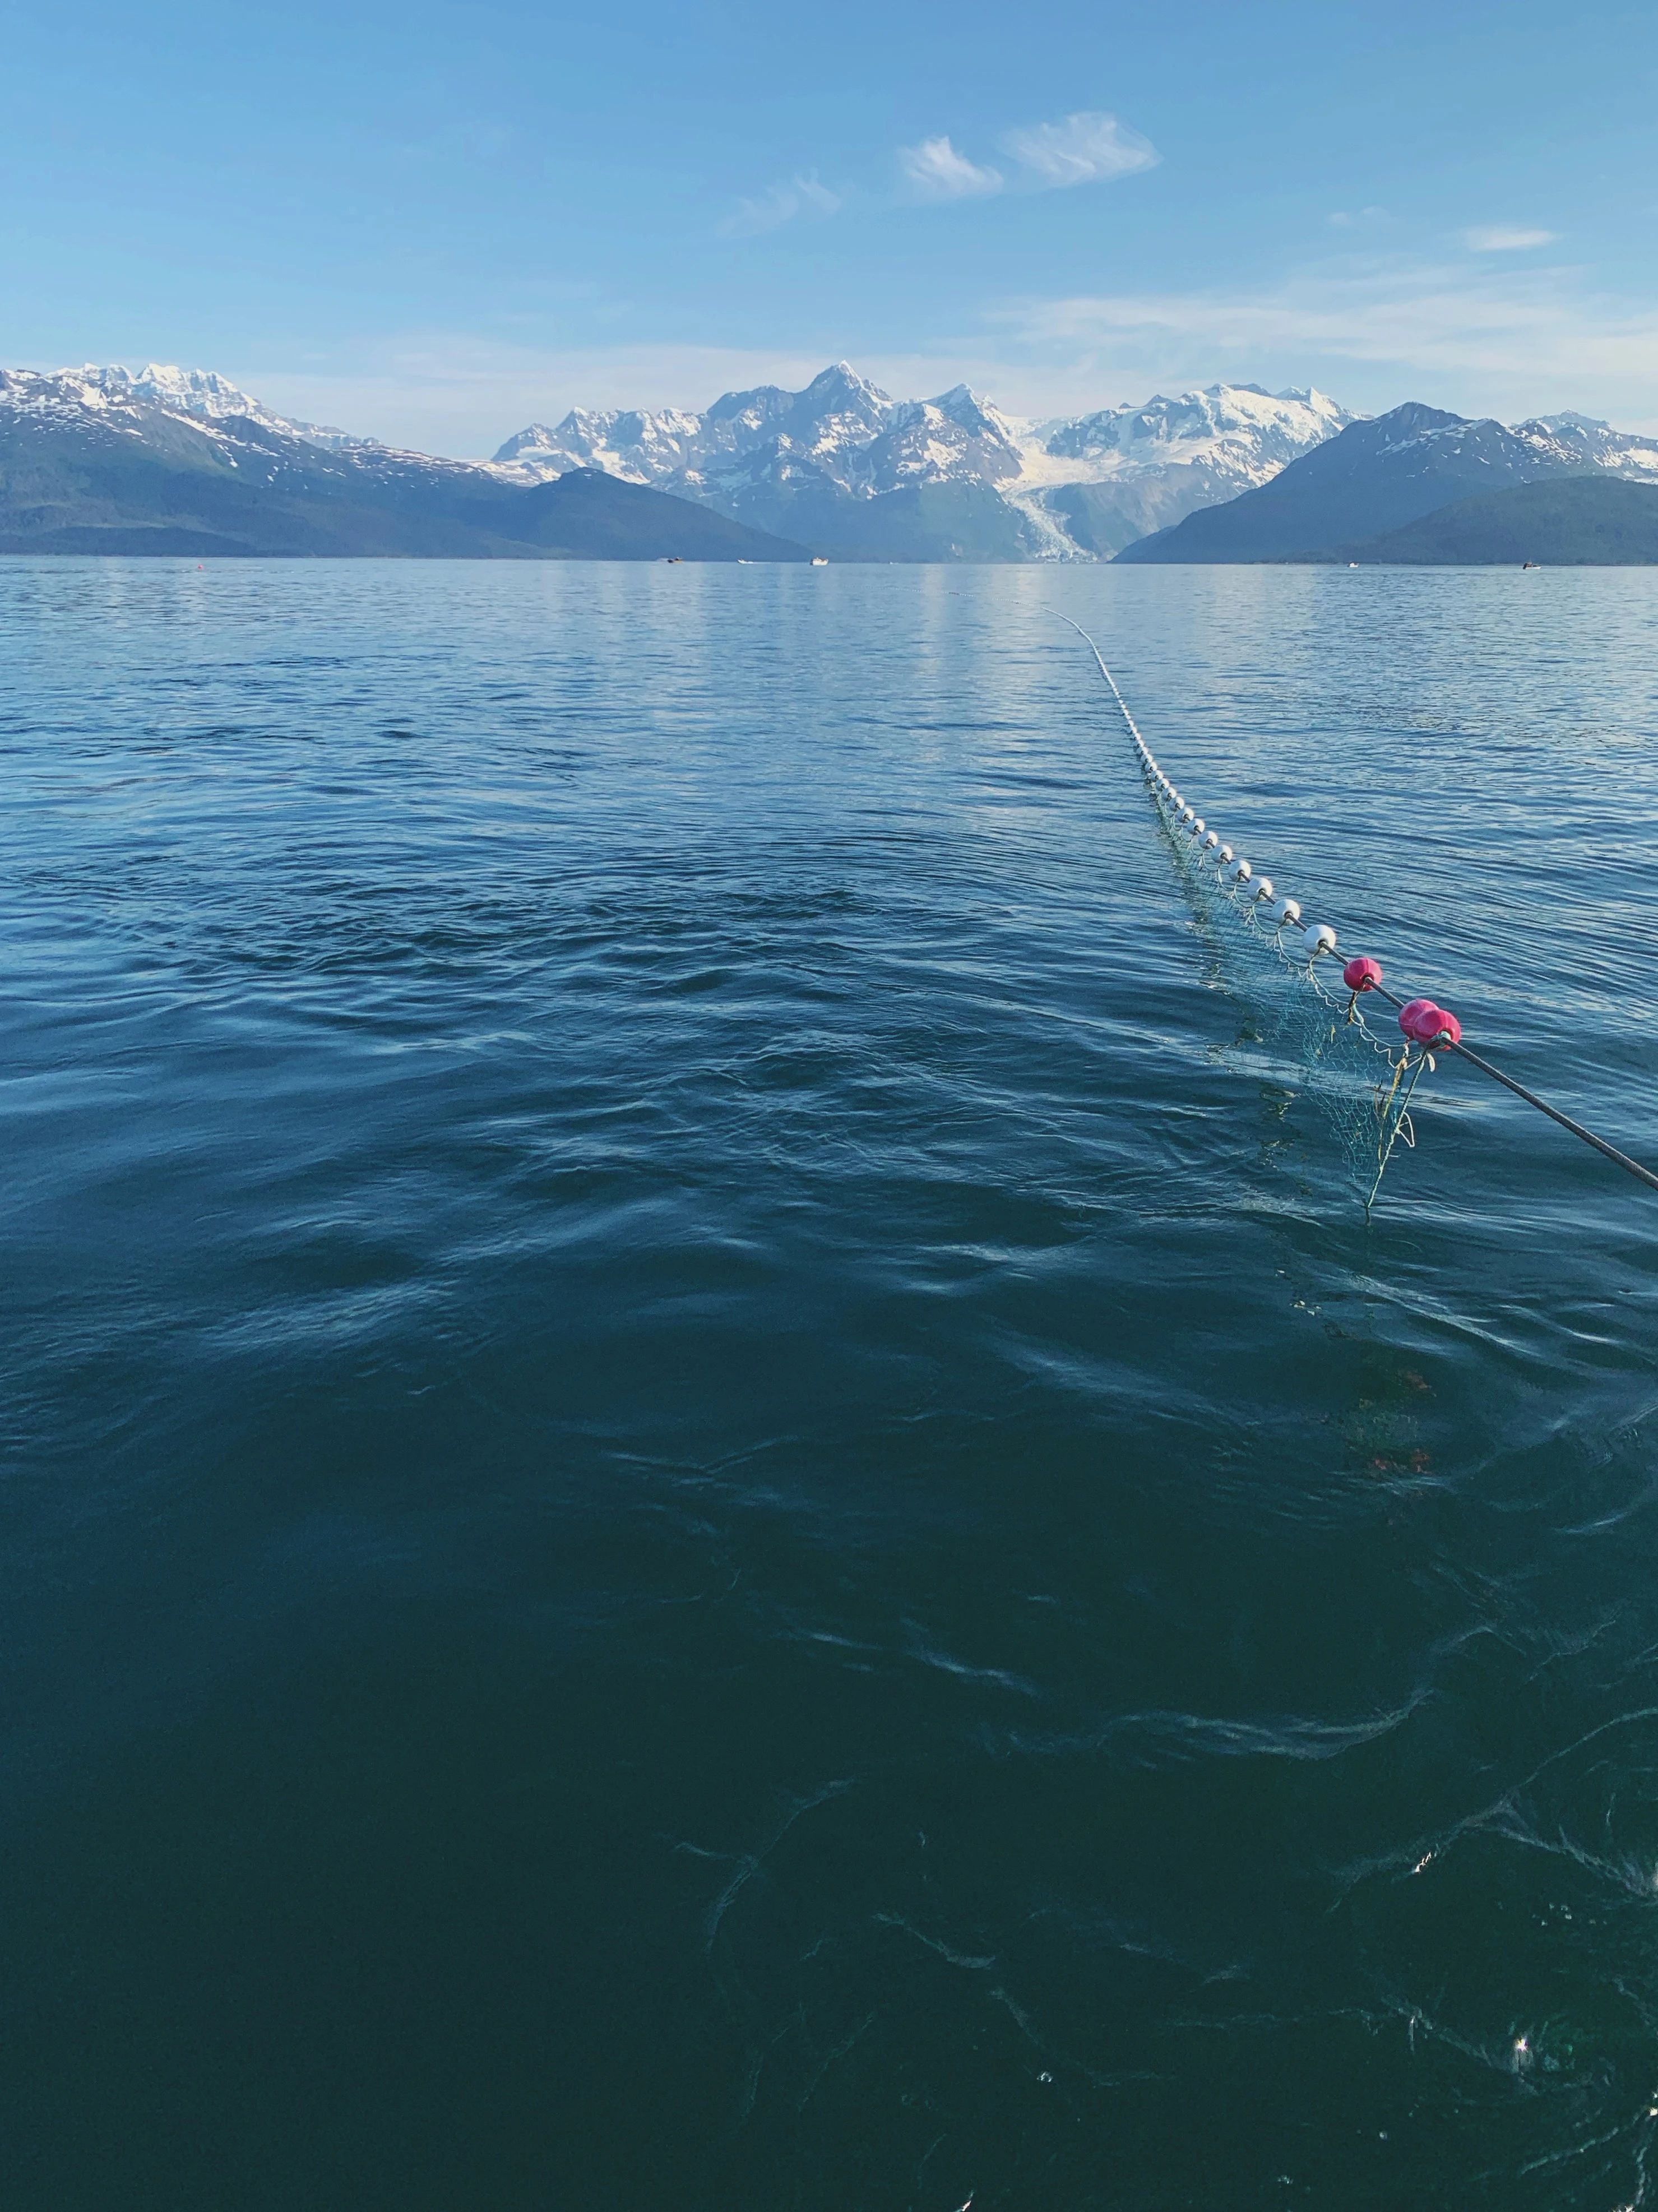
<point x="1364" y="1084"/>
<point x="1316" y="1036"/>
<point x="1310" y="1023"/>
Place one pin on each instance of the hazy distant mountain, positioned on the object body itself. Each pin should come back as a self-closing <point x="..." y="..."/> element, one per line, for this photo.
<point x="1559" y="522"/>
<point x="849" y="469"/>
<point x="1378" y="476"/>
<point x="1619" y="452"/>
<point x="175" y="461"/>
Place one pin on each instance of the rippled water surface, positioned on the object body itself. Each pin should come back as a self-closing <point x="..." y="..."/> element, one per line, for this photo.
<point x="713" y="1497"/>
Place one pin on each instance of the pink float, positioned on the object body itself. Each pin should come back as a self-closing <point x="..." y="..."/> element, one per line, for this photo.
<point x="1424" y="1022"/>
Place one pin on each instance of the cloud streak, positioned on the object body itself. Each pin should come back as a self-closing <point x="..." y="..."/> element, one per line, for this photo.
<point x="1090" y="148"/>
<point x="1504" y="238"/>
<point x="781" y="204"/>
<point x="935" y="171"/>
<point x="1497" y="337"/>
<point x="1533" y="339"/>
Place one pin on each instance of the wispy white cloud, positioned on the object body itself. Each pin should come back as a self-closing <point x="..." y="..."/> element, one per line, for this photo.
<point x="781" y="204"/>
<point x="1520" y="341"/>
<point x="936" y="170"/>
<point x="1421" y="316"/>
<point x="1086" y="149"/>
<point x="1493" y="337"/>
<point x="1504" y="238"/>
<point x="1355" y="218"/>
<point x="449" y="392"/>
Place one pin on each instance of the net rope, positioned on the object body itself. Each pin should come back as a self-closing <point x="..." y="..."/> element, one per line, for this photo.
<point x="1305" y="1019"/>
<point x="1311" y="1025"/>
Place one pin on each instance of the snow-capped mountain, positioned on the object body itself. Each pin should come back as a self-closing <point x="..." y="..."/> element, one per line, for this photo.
<point x="1380" y="475"/>
<point x="1238" y="430"/>
<point x="175" y="463"/>
<point x="841" y="465"/>
<point x="1110" y="477"/>
<point x="840" y="432"/>
<point x="1596" y="445"/>
<point x="1078" y="487"/>
<point x="861" y="474"/>
<point x="199" y="395"/>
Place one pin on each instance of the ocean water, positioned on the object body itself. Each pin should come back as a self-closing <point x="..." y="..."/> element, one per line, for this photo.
<point x="712" y="1496"/>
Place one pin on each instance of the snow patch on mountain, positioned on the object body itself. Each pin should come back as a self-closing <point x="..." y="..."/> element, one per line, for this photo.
<point x="1115" y="475"/>
<point x="158" y="402"/>
<point x="200" y="395"/>
<point x="842" y="433"/>
<point x="1237" y="432"/>
<point x="1546" y="444"/>
<point x="1596" y="445"/>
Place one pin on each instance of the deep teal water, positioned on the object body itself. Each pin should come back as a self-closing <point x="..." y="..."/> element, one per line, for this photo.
<point x="711" y="1496"/>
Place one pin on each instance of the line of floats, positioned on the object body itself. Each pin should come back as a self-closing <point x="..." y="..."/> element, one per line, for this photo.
<point x="1426" y="1025"/>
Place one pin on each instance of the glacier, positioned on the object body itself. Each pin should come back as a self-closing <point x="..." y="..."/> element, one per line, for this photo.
<point x="1075" y="488"/>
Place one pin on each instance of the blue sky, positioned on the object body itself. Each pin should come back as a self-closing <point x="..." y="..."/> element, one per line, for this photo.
<point x="436" y="223"/>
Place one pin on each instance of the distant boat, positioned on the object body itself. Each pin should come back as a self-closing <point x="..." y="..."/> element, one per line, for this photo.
<point x="818" y="561"/>
<point x="1531" y="564"/>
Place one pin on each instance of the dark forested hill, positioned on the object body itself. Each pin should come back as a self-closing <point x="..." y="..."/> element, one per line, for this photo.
<point x="1563" y="523"/>
<point x="1373" y="476"/>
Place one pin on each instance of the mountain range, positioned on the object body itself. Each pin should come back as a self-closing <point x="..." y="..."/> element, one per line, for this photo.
<point x="182" y="461"/>
<point x="863" y="476"/>
<point x="1376" y="476"/>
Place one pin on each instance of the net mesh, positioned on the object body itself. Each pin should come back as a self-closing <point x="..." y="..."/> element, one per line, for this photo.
<point x="1364" y="1083"/>
<point x="1317" y="1037"/>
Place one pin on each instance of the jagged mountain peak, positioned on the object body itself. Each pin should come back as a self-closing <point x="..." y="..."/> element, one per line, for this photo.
<point x="201" y="396"/>
<point x="201" y="392"/>
<point x="971" y="409"/>
<point x="1239" y="428"/>
<point x="534" y="437"/>
<point x="1413" y="417"/>
<point x="754" y="452"/>
<point x="841" y="376"/>
<point x="1382" y="476"/>
<point x="1586" y="442"/>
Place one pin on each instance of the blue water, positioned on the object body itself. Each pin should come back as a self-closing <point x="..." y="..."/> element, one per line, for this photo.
<point x="712" y="1494"/>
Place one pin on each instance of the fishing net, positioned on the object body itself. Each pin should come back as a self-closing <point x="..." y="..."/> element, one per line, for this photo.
<point x="1311" y="1023"/>
<point x="1311" y="1008"/>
